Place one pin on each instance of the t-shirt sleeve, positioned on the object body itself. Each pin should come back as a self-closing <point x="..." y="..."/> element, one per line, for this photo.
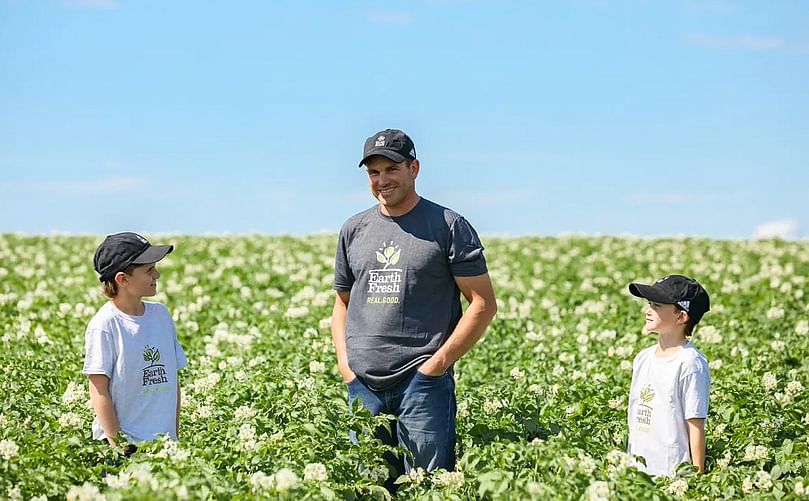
<point x="99" y="353"/>
<point x="343" y="276"/>
<point x="465" y="250"/>
<point x="696" y="388"/>
<point x="179" y="353"/>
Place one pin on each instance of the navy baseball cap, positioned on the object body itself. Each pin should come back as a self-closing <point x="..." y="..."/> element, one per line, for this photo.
<point x="683" y="292"/>
<point x="120" y="250"/>
<point x="390" y="143"/>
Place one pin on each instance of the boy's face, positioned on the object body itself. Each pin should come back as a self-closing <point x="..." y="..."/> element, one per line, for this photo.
<point x="142" y="282"/>
<point x="664" y="318"/>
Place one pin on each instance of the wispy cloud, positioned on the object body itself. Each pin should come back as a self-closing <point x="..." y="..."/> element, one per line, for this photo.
<point x="677" y="198"/>
<point x="781" y="228"/>
<point x="717" y="7"/>
<point x="107" y="185"/>
<point x="389" y="17"/>
<point x="92" y="4"/>
<point x="742" y="42"/>
<point x="507" y="197"/>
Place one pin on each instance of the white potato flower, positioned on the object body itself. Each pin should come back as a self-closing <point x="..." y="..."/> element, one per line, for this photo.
<point x="678" y="488"/>
<point x="448" y="478"/>
<point x="315" y="472"/>
<point x="285" y="480"/>
<point x="260" y="481"/>
<point x="763" y="480"/>
<point x="85" y="492"/>
<point x="794" y="388"/>
<point x="598" y="491"/>
<point x="70" y="420"/>
<point x="769" y="381"/>
<point x="8" y="449"/>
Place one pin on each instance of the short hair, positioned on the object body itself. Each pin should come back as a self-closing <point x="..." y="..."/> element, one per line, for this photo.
<point x="110" y="288"/>
<point x="689" y="324"/>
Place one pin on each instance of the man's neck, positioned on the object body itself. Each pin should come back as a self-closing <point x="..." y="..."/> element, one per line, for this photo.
<point x="406" y="207"/>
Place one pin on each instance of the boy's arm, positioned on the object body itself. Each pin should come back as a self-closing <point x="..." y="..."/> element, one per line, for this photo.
<point x="696" y="439"/>
<point x="338" y="334"/>
<point x="103" y="406"/>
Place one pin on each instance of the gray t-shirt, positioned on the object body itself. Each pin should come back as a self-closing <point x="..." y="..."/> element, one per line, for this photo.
<point x="404" y="301"/>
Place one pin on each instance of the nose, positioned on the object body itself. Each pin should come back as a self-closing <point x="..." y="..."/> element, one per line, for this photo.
<point x="156" y="274"/>
<point x="648" y="310"/>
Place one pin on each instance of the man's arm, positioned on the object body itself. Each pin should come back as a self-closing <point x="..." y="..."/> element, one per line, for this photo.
<point x="102" y="404"/>
<point x="338" y="334"/>
<point x="482" y="307"/>
<point x="696" y="439"/>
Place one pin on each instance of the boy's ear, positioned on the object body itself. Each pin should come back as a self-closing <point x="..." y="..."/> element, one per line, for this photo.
<point x="120" y="278"/>
<point x="682" y="317"/>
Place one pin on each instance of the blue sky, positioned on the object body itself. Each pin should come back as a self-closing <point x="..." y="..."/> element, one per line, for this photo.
<point x="541" y="118"/>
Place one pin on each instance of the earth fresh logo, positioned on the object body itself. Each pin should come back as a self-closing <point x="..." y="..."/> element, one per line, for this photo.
<point x="384" y="285"/>
<point x="643" y="416"/>
<point x="153" y="373"/>
<point x="380" y="141"/>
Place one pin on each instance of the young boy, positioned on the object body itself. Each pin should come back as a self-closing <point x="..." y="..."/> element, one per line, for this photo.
<point x="668" y="400"/>
<point x="131" y="349"/>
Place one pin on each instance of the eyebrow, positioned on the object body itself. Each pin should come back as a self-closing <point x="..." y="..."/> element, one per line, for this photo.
<point x="385" y="167"/>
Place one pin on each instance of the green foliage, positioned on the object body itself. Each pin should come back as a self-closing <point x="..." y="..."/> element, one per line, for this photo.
<point x="541" y="399"/>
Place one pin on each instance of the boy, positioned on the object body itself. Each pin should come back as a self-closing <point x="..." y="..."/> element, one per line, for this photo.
<point x="668" y="400"/>
<point x="131" y="349"/>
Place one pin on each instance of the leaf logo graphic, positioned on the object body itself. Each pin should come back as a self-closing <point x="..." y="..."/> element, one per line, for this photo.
<point x="647" y="395"/>
<point x="151" y="355"/>
<point x="388" y="254"/>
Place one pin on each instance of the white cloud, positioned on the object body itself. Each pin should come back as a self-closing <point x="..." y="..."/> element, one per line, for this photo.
<point x="746" y="42"/>
<point x="92" y="4"/>
<point x="389" y="17"/>
<point x="781" y="228"/>
<point x="487" y="198"/>
<point x="675" y="198"/>
<point x="710" y="6"/>
<point x="113" y="184"/>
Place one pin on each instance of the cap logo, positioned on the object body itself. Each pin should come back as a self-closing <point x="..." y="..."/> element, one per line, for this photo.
<point x="412" y="152"/>
<point x="663" y="279"/>
<point x="684" y="304"/>
<point x="380" y="141"/>
<point x="142" y="240"/>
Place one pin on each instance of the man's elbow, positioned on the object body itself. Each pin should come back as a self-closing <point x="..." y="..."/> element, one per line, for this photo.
<point x="488" y="309"/>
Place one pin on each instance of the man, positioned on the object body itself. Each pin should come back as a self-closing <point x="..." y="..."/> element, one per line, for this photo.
<point x="397" y="323"/>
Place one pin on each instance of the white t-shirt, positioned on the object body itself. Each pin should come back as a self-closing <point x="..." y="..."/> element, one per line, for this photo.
<point x="666" y="392"/>
<point x="141" y="356"/>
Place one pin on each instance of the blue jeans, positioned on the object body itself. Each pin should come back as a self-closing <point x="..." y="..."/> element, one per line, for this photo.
<point x="425" y="410"/>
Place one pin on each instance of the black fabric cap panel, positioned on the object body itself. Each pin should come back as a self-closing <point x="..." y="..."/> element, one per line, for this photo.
<point x="651" y="293"/>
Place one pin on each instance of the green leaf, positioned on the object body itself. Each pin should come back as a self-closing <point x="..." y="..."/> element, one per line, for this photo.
<point x="787" y="447"/>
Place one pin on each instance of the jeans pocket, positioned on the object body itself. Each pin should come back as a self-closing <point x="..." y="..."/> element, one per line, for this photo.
<point x="428" y="377"/>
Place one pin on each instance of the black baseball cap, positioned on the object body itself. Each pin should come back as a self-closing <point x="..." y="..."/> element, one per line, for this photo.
<point x="683" y="292"/>
<point x="120" y="250"/>
<point x="390" y="143"/>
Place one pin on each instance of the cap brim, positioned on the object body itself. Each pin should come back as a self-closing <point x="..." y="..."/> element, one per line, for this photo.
<point x="153" y="254"/>
<point x="396" y="157"/>
<point x="651" y="293"/>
